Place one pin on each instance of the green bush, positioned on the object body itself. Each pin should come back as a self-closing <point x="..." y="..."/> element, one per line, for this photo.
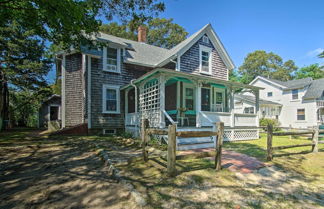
<point x="266" y="121"/>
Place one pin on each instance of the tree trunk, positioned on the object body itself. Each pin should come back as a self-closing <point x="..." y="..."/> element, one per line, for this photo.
<point x="4" y="101"/>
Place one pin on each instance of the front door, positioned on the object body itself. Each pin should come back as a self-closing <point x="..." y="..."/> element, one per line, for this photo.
<point x="188" y="96"/>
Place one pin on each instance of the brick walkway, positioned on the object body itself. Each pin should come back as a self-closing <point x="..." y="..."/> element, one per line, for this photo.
<point x="234" y="161"/>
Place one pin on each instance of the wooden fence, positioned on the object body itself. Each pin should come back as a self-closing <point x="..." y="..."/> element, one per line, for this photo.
<point x="172" y="142"/>
<point x="270" y="149"/>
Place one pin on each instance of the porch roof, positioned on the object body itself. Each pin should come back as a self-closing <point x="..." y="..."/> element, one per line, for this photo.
<point x="191" y="76"/>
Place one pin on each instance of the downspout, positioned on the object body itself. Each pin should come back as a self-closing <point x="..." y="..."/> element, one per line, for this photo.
<point x="132" y="83"/>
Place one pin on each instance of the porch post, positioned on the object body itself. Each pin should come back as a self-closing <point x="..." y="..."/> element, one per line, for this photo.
<point x="232" y="121"/>
<point x="257" y="106"/>
<point x="162" y="100"/>
<point x="198" y="104"/>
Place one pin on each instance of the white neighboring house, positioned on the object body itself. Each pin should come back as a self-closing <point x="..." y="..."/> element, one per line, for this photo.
<point x="295" y="103"/>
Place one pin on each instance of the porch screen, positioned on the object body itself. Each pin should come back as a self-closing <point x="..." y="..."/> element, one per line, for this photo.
<point x="205" y="99"/>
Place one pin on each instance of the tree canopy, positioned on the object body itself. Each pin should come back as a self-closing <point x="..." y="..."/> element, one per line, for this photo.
<point x="161" y="32"/>
<point x="266" y="64"/>
<point x="314" y="71"/>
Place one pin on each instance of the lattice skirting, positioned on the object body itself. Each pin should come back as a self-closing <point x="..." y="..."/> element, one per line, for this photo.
<point x="240" y="134"/>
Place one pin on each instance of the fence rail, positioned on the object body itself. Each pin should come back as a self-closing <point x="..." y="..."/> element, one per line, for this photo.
<point x="314" y="144"/>
<point x="172" y="142"/>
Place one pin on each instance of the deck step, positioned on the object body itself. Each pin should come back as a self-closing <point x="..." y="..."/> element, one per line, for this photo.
<point x="195" y="146"/>
<point x="195" y="140"/>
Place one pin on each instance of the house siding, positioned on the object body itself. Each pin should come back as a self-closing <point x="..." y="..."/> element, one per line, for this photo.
<point x="100" y="120"/>
<point x="74" y="86"/>
<point x="189" y="61"/>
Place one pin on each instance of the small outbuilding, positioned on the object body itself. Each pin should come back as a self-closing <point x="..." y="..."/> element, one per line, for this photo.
<point x="50" y="110"/>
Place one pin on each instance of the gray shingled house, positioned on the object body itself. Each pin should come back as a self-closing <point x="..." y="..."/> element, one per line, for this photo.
<point x="114" y="87"/>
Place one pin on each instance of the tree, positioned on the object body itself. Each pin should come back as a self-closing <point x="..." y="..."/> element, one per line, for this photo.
<point x="62" y="22"/>
<point x="164" y="33"/>
<point x="267" y="65"/>
<point x="314" y="71"/>
<point x="321" y="55"/>
<point x="161" y="32"/>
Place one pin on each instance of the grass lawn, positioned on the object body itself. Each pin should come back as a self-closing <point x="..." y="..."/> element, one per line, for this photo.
<point x="309" y="164"/>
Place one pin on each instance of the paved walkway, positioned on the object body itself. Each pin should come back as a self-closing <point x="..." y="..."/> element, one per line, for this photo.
<point x="234" y="161"/>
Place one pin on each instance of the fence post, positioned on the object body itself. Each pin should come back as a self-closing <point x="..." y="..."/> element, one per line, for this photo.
<point x="219" y="144"/>
<point x="315" y="139"/>
<point x="172" y="149"/>
<point x="269" y="142"/>
<point x="144" y="136"/>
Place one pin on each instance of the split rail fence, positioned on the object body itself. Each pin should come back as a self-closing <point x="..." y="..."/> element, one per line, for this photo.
<point x="270" y="149"/>
<point x="172" y="134"/>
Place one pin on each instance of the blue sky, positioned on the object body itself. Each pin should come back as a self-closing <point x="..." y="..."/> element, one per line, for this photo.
<point x="293" y="29"/>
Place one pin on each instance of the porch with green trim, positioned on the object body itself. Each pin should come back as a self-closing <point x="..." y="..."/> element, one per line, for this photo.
<point x="166" y="97"/>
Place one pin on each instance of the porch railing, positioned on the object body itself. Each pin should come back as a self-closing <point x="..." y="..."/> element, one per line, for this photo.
<point x="245" y="119"/>
<point x="168" y="117"/>
<point x="320" y="103"/>
<point x="131" y="119"/>
<point x="207" y="118"/>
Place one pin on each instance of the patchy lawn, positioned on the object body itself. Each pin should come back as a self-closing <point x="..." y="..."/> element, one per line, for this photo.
<point x="55" y="172"/>
<point x="310" y="164"/>
<point x="60" y="172"/>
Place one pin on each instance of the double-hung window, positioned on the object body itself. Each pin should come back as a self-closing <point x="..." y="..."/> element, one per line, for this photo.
<point x="111" y="59"/>
<point x="205" y="59"/>
<point x="294" y="94"/>
<point x="300" y="114"/>
<point x="111" y="99"/>
<point x="249" y="110"/>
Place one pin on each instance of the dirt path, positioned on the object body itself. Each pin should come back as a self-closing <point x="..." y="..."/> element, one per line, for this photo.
<point x="57" y="175"/>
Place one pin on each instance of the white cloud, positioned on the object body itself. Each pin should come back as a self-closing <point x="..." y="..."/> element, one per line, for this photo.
<point x="314" y="52"/>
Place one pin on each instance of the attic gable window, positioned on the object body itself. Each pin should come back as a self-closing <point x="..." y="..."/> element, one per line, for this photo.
<point x="111" y="59"/>
<point x="205" y="39"/>
<point x="205" y="59"/>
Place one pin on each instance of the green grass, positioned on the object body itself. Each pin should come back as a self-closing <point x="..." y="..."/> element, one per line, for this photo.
<point x="308" y="164"/>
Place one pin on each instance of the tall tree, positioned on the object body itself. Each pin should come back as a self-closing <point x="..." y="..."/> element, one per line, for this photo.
<point x="267" y="65"/>
<point x="164" y="33"/>
<point x="314" y="71"/>
<point x="161" y="32"/>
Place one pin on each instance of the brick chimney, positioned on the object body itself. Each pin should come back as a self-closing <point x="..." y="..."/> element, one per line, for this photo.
<point x="141" y="34"/>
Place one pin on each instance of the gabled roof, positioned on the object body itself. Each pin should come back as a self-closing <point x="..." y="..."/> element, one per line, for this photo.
<point x="148" y="55"/>
<point x="252" y="100"/>
<point x="286" y="85"/>
<point x="315" y="90"/>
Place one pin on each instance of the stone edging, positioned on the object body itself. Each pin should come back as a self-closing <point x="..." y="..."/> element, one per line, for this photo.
<point x="139" y="199"/>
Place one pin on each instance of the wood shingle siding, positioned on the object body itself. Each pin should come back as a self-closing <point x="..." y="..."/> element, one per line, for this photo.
<point x="189" y="61"/>
<point x="74" y="85"/>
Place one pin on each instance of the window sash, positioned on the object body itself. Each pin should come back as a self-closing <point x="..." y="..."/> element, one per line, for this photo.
<point x="205" y="59"/>
<point x="111" y="59"/>
<point x="111" y="99"/>
<point x="300" y="114"/>
<point x="294" y="94"/>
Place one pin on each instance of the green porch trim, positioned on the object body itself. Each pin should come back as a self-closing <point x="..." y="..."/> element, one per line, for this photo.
<point x="220" y="86"/>
<point x="176" y="79"/>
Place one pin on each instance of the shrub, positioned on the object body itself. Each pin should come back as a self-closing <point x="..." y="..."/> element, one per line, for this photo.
<point x="266" y="121"/>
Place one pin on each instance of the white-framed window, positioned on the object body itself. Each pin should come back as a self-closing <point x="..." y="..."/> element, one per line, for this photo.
<point x="205" y="39"/>
<point x="111" y="99"/>
<point x="294" y="94"/>
<point x="205" y="57"/>
<point x="111" y="59"/>
<point x="269" y="94"/>
<point x="249" y="110"/>
<point x="300" y="114"/>
<point x="109" y="131"/>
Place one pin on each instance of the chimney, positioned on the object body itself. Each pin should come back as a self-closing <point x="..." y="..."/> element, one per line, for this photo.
<point x="141" y="34"/>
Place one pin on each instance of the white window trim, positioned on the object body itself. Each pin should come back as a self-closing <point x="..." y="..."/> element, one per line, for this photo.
<point x="104" y="101"/>
<point x="209" y="50"/>
<point x="292" y="94"/>
<point x="105" y="64"/>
